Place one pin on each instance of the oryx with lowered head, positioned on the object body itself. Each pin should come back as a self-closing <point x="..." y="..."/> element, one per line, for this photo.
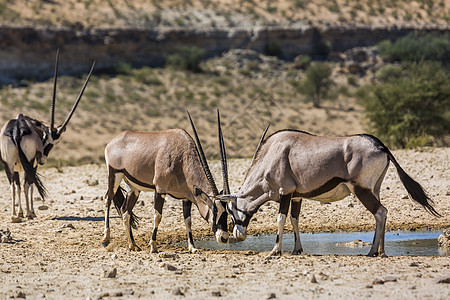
<point x="167" y="162"/>
<point x="26" y="142"/>
<point x="291" y="165"/>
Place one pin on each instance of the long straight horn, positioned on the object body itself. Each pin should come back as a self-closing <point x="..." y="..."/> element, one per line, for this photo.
<point x="223" y="158"/>
<point x="259" y="144"/>
<point x="63" y="126"/>
<point x="206" y="169"/>
<point x="52" y="120"/>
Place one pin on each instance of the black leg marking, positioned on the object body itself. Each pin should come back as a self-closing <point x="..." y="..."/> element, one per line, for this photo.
<point x="295" y="209"/>
<point x="370" y="201"/>
<point x="187" y="209"/>
<point x="187" y="205"/>
<point x="295" y="212"/>
<point x="159" y="203"/>
<point x="285" y="201"/>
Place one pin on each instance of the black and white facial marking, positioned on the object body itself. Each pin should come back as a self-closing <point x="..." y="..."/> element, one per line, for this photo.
<point x="220" y="221"/>
<point x="240" y="220"/>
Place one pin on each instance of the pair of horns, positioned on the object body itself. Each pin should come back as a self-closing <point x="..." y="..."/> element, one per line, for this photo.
<point x="226" y="187"/>
<point x="63" y="126"/>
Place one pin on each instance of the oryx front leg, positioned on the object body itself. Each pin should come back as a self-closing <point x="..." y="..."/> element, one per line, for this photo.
<point x="295" y="212"/>
<point x="187" y="221"/>
<point x="372" y="203"/>
<point x="285" y="200"/>
<point x="159" y="203"/>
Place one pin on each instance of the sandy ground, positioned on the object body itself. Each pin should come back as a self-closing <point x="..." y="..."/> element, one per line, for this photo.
<point x="59" y="253"/>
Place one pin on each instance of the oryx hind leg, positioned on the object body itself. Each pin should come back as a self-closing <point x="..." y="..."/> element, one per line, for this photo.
<point x="28" y="189"/>
<point x="13" y="178"/>
<point x="295" y="212"/>
<point x="114" y="180"/>
<point x="373" y="204"/>
<point x="127" y="209"/>
<point x="159" y="203"/>
<point x="285" y="201"/>
<point x="187" y="205"/>
<point x="18" y="190"/>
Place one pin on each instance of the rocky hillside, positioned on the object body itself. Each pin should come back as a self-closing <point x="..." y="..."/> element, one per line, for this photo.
<point x="141" y="33"/>
<point x="87" y="14"/>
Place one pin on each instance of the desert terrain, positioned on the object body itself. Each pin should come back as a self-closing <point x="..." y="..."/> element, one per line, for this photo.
<point x="59" y="253"/>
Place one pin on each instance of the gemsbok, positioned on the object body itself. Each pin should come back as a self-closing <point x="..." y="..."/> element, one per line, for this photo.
<point x="26" y="142"/>
<point x="169" y="163"/>
<point x="291" y="165"/>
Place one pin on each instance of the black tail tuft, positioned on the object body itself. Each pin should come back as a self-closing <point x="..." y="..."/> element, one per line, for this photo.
<point x="415" y="190"/>
<point x="119" y="200"/>
<point x="30" y="171"/>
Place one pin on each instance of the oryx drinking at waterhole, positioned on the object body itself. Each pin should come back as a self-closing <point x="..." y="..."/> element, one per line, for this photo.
<point x="291" y="165"/>
<point x="167" y="162"/>
<point x="26" y="142"/>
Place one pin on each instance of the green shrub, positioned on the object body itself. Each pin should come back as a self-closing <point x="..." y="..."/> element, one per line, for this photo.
<point x="186" y="58"/>
<point x="389" y="72"/>
<point x="431" y="46"/>
<point x="273" y="48"/>
<point x="410" y="110"/>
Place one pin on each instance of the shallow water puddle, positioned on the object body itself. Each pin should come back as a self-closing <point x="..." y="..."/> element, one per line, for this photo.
<point x="397" y="243"/>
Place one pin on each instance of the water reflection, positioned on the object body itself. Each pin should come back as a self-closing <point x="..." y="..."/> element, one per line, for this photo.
<point x="397" y="243"/>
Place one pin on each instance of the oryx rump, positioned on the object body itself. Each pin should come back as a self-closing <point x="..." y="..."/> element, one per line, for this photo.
<point x="26" y="142"/>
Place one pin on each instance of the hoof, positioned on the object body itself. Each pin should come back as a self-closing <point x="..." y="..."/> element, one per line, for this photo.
<point x="30" y="217"/>
<point x="383" y="255"/>
<point x="297" y="252"/>
<point x="134" y="248"/>
<point x="194" y="251"/>
<point x="105" y="244"/>
<point x="274" y="253"/>
<point x="15" y="219"/>
<point x="153" y="248"/>
<point x="20" y="214"/>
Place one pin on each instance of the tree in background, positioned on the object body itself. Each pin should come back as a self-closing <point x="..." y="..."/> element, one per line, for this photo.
<point x="410" y="110"/>
<point x="317" y="82"/>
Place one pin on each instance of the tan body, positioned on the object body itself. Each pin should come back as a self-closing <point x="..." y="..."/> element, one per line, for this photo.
<point x="294" y="165"/>
<point x="166" y="162"/>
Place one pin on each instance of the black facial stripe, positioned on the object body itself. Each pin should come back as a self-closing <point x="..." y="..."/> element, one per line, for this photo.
<point x="222" y="222"/>
<point x="47" y="149"/>
<point x="244" y="223"/>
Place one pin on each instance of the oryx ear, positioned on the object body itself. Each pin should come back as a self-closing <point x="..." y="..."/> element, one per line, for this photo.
<point x="202" y="196"/>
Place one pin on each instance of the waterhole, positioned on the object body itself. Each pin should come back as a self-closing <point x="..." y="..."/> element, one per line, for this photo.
<point x="397" y="243"/>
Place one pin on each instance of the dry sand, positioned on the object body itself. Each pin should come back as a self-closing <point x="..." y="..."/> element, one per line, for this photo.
<point x="59" y="253"/>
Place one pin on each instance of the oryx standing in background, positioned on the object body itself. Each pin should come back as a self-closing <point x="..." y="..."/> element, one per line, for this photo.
<point x="169" y="163"/>
<point x="26" y="142"/>
<point x="291" y="165"/>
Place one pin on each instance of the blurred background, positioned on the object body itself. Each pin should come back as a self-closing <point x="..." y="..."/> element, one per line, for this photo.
<point x="329" y="67"/>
